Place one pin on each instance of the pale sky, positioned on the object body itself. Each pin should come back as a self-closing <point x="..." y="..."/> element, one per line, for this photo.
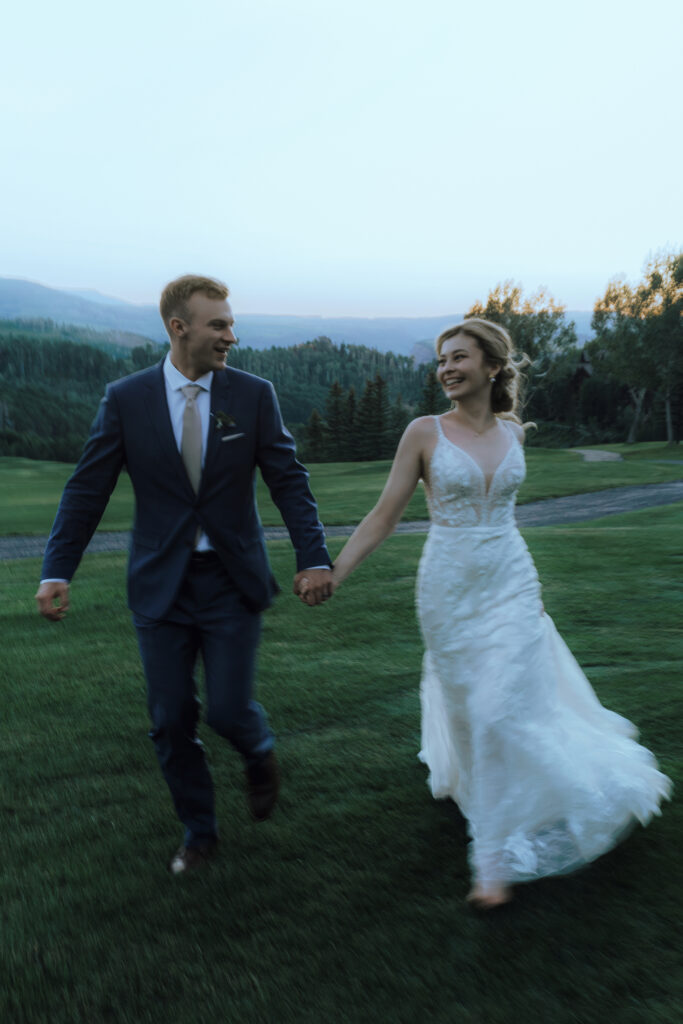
<point x="365" y="157"/>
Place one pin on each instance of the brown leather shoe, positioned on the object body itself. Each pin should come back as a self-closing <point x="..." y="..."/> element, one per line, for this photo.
<point x="263" y="784"/>
<point x="192" y="858"/>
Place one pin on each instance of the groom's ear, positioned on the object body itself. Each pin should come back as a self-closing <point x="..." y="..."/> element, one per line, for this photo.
<point x="178" y="326"/>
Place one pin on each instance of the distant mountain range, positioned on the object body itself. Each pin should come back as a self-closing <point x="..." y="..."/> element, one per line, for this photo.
<point x="88" y="308"/>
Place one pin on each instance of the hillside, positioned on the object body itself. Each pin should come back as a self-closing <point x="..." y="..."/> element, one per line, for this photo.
<point x="27" y="299"/>
<point x="40" y="329"/>
<point x="77" y="363"/>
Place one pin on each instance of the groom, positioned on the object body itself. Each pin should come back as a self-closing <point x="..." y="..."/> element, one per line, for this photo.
<point x="191" y="432"/>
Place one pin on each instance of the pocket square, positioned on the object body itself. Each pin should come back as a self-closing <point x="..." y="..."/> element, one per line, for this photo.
<point x="232" y="437"/>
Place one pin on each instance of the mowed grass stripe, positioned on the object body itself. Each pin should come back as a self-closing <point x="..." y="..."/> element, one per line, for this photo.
<point x="345" y="491"/>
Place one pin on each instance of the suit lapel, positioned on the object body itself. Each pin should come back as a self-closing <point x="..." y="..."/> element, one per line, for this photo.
<point x="220" y="402"/>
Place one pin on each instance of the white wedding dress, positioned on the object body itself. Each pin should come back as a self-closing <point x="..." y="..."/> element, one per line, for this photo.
<point x="512" y="731"/>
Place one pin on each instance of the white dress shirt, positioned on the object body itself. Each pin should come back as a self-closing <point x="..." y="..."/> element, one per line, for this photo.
<point x="176" y="400"/>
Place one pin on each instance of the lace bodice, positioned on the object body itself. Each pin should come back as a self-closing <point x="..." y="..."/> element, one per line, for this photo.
<point x="457" y="494"/>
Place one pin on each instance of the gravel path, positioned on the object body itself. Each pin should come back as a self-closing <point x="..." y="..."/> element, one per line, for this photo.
<point x="575" y="508"/>
<point x="594" y="455"/>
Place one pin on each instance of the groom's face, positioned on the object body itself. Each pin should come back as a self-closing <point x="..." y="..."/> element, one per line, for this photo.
<point x="207" y="335"/>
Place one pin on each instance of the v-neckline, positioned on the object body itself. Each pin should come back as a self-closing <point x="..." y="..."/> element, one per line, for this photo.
<point x="487" y="486"/>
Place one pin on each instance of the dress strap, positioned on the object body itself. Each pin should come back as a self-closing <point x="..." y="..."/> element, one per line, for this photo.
<point x="439" y="428"/>
<point x="508" y="427"/>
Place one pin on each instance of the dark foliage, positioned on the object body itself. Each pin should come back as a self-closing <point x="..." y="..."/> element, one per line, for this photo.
<point x="303" y="374"/>
<point x="50" y="389"/>
<point x="352" y="403"/>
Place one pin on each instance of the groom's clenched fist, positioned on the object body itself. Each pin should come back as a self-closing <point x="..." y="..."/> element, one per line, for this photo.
<point x="53" y="599"/>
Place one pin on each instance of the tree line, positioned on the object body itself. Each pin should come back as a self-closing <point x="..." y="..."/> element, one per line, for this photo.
<point x="303" y="374"/>
<point x="352" y="403"/>
<point x="626" y="384"/>
<point x="50" y="388"/>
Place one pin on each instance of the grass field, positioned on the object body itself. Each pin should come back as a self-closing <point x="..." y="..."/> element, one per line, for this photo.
<point x="345" y="491"/>
<point x="348" y="905"/>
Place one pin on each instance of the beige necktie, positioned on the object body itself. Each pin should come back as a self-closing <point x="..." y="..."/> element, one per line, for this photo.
<point x="191" y="442"/>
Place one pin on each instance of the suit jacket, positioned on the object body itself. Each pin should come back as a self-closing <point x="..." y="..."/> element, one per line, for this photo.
<point x="133" y="430"/>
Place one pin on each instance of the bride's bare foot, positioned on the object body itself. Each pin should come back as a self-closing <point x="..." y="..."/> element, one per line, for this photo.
<point x="486" y="898"/>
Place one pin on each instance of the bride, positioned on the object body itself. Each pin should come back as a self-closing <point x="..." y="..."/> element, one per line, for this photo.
<point x="546" y="777"/>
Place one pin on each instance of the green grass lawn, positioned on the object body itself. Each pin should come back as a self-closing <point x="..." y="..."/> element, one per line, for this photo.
<point x="345" y="491"/>
<point x="348" y="905"/>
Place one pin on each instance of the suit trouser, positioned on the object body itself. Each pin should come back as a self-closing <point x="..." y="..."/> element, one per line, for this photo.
<point x="208" y="617"/>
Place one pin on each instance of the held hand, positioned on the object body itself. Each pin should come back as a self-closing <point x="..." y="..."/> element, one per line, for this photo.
<point x="53" y="600"/>
<point x="314" y="586"/>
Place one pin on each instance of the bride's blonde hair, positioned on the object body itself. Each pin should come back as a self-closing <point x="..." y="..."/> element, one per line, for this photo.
<point x="496" y="344"/>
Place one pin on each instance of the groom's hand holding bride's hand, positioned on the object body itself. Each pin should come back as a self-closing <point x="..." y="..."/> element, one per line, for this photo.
<point x="314" y="586"/>
<point x="53" y="600"/>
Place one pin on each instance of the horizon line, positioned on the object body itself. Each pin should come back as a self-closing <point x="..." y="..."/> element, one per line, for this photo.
<point x="314" y="316"/>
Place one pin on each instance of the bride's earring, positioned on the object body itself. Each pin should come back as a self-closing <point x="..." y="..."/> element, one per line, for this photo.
<point x="492" y="379"/>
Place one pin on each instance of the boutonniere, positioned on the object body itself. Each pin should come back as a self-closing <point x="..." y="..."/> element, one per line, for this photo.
<point x="223" y="420"/>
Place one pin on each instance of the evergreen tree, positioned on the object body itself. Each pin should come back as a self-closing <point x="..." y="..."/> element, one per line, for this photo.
<point x="350" y="448"/>
<point x="365" y="424"/>
<point x="432" y="400"/>
<point x="302" y="374"/>
<point x="316" y="438"/>
<point x="383" y="420"/>
<point x="400" y="418"/>
<point x="145" y="355"/>
<point x="335" y="415"/>
<point x="374" y="436"/>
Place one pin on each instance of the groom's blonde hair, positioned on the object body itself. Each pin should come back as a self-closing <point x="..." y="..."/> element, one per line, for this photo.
<point x="176" y="295"/>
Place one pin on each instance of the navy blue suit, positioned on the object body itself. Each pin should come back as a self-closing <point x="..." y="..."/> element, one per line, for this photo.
<point x="181" y="607"/>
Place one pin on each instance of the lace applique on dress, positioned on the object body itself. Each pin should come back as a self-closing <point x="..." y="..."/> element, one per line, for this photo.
<point x="457" y="495"/>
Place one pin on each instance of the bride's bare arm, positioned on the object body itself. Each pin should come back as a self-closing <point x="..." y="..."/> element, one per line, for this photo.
<point x="403" y="479"/>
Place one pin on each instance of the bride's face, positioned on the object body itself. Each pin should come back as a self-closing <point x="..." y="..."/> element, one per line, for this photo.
<point x="461" y="369"/>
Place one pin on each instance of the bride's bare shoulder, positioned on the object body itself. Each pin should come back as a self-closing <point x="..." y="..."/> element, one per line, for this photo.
<point x="419" y="440"/>
<point x="422" y="429"/>
<point x="517" y="430"/>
